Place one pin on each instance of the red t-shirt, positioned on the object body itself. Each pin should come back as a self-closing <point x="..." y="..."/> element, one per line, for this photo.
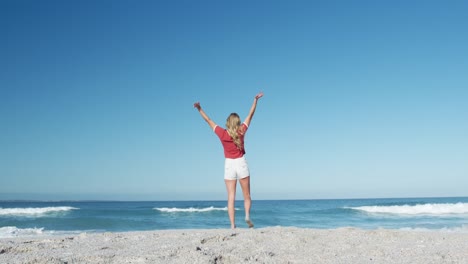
<point x="230" y="149"/>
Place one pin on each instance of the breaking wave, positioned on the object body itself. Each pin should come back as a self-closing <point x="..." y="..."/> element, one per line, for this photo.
<point x="40" y="211"/>
<point x="418" y="209"/>
<point x="191" y="209"/>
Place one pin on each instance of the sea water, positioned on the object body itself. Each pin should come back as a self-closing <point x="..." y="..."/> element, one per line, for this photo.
<point x="31" y="218"/>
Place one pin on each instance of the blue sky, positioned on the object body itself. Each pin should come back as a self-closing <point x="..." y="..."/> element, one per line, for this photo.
<point x="362" y="98"/>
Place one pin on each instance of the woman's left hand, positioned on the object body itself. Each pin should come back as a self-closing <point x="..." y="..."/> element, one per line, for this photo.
<point x="259" y="95"/>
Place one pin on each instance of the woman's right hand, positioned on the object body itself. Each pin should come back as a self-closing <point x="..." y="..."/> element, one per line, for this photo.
<point x="197" y="105"/>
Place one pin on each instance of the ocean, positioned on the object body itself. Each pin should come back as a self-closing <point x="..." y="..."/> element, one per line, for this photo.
<point x="33" y="218"/>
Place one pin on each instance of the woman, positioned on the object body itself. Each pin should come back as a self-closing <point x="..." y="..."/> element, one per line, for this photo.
<point x="235" y="166"/>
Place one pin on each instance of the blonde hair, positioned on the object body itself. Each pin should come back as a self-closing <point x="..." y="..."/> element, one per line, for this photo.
<point x="234" y="129"/>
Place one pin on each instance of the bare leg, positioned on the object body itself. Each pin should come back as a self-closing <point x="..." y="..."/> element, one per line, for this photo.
<point x="245" y="184"/>
<point x="231" y="190"/>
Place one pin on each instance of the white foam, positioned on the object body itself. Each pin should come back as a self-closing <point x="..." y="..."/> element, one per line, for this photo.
<point x="41" y="211"/>
<point x="459" y="229"/>
<point x="418" y="209"/>
<point x="13" y="231"/>
<point x="191" y="209"/>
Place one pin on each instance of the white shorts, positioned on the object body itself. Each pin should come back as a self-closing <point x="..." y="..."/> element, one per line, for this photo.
<point x="235" y="169"/>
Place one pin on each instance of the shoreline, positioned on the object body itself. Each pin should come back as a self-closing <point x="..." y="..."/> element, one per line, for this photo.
<point x="263" y="245"/>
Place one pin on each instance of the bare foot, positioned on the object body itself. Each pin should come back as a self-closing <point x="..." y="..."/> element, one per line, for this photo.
<point x="249" y="222"/>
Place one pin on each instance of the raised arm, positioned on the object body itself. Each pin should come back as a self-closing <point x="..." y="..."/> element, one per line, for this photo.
<point x="203" y="114"/>
<point x="252" y="109"/>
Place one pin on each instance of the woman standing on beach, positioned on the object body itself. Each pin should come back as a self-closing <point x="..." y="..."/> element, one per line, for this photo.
<point x="235" y="166"/>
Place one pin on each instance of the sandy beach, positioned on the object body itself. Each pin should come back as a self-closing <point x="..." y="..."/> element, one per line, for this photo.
<point x="264" y="245"/>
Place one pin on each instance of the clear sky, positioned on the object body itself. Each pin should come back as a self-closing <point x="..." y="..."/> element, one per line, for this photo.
<point x="362" y="98"/>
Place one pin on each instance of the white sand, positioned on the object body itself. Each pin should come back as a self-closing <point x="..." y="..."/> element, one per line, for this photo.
<point x="264" y="245"/>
